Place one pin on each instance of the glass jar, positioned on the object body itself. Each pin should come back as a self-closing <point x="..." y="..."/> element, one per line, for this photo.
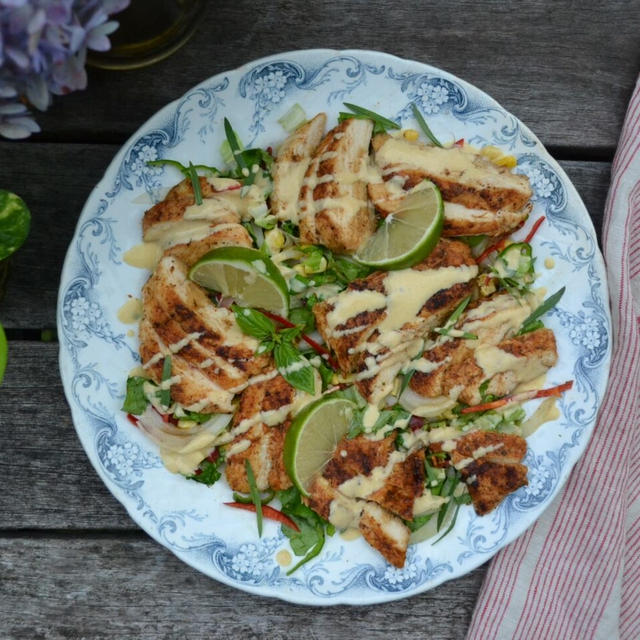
<point x="149" y="31"/>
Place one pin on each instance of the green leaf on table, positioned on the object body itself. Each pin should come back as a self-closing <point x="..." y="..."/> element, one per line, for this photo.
<point x="15" y="220"/>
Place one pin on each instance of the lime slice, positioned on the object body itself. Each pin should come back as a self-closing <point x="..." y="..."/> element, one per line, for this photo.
<point x="4" y="350"/>
<point x="408" y="235"/>
<point x="313" y="436"/>
<point x="244" y="274"/>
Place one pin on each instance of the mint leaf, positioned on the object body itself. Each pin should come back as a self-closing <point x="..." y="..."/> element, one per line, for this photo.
<point x="135" y="402"/>
<point x="303" y="318"/>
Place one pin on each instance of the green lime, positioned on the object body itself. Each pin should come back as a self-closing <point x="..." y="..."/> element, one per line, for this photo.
<point x="244" y="274"/>
<point x="14" y="223"/>
<point x="408" y="235"/>
<point x="313" y="436"/>
<point x="4" y="351"/>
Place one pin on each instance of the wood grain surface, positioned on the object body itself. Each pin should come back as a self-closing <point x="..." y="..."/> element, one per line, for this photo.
<point x="72" y="562"/>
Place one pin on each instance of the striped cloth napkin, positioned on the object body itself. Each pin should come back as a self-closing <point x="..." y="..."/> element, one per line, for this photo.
<point x="576" y="572"/>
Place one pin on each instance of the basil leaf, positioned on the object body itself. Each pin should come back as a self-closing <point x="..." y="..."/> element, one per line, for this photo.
<point x="424" y="126"/>
<point x="532" y="322"/>
<point x="254" y="323"/>
<point x="294" y="367"/>
<point x="135" y="402"/>
<point x="303" y="318"/>
<point x="15" y="220"/>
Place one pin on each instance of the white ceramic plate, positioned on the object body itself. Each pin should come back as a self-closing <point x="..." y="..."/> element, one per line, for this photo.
<point x="97" y="351"/>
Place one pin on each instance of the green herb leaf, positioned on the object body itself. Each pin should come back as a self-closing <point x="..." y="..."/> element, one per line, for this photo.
<point x="381" y="124"/>
<point x="234" y="144"/>
<point x="446" y="330"/>
<point x="387" y="418"/>
<point x="192" y="174"/>
<point x="254" y="323"/>
<point x="194" y="416"/>
<point x="303" y="318"/>
<point x="419" y="522"/>
<point x="208" y="471"/>
<point x="514" y="267"/>
<point x="255" y="494"/>
<point x="424" y="126"/>
<point x="310" y="539"/>
<point x="294" y="367"/>
<point x="15" y="220"/>
<point x="532" y="322"/>
<point x="135" y="402"/>
<point x="289" y="227"/>
<point x="164" y="395"/>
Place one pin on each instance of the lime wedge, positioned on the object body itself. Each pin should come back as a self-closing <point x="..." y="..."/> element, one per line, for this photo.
<point x="313" y="436"/>
<point x="244" y="274"/>
<point x="409" y="235"/>
<point x="4" y="352"/>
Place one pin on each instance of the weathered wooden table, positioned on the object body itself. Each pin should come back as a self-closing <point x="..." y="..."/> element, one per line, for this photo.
<point x="72" y="563"/>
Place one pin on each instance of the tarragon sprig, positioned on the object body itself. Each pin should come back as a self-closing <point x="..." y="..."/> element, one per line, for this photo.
<point x="447" y="329"/>
<point x="291" y="364"/>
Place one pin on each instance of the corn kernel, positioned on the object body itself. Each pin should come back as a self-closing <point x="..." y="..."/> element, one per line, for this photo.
<point x="411" y="135"/>
<point x="506" y="161"/>
<point x="187" y="424"/>
<point x="300" y="268"/>
<point x="491" y="152"/>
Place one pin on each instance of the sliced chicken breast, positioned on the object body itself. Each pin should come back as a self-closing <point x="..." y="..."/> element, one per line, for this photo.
<point x="211" y="358"/>
<point x="291" y="165"/>
<point x="480" y="197"/>
<point x="378" y="323"/>
<point x="333" y="205"/>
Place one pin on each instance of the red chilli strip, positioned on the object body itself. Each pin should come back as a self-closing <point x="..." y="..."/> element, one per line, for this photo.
<point x="415" y="423"/>
<point x="518" y="397"/>
<point x="132" y="419"/>
<point x="534" y="229"/>
<point x="489" y="250"/>
<point x="267" y="512"/>
<point x="310" y="341"/>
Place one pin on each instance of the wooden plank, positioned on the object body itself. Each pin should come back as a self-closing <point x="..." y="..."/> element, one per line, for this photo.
<point x="71" y="171"/>
<point x="48" y="482"/>
<point x="565" y="69"/>
<point x="123" y="587"/>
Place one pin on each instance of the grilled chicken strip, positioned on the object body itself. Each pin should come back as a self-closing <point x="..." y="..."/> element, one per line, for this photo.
<point x="480" y="197"/>
<point x="333" y="205"/>
<point x="460" y="370"/>
<point x="386" y="533"/>
<point x="265" y="407"/>
<point x="378" y="323"/>
<point x="187" y="230"/>
<point x="369" y="485"/>
<point x="490" y="464"/>
<point x="291" y="165"/>
<point x="211" y="359"/>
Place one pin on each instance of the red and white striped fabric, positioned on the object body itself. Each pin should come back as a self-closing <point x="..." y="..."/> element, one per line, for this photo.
<point x="575" y="574"/>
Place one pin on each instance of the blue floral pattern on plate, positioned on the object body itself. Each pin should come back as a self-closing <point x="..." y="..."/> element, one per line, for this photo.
<point x="97" y="351"/>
